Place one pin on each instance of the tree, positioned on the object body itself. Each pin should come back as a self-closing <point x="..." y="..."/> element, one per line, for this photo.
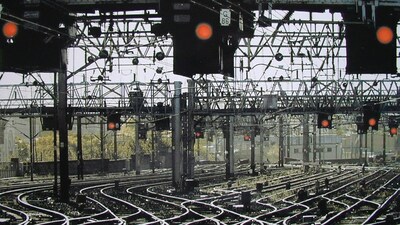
<point x="91" y="144"/>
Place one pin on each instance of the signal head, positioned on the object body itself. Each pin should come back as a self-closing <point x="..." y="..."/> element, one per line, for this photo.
<point x="372" y="122"/>
<point x="393" y="131"/>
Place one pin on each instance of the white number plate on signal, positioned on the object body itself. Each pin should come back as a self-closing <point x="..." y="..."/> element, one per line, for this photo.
<point x="225" y="17"/>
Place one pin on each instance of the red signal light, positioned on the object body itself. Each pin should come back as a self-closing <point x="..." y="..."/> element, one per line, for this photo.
<point x="10" y="29"/>
<point x="204" y="31"/>
<point x="324" y="120"/>
<point x="111" y="126"/>
<point x="198" y="134"/>
<point x="372" y="122"/>
<point x="114" y="122"/>
<point x="384" y="35"/>
<point x="247" y="138"/>
<point x="325" y="123"/>
<point x="393" y="131"/>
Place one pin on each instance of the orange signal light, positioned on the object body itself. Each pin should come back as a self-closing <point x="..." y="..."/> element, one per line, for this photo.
<point x="10" y="29"/>
<point x="111" y="125"/>
<point x="204" y="31"/>
<point x="393" y="131"/>
<point x="247" y="138"/>
<point x="325" y="123"/>
<point x="372" y="122"/>
<point x="384" y="35"/>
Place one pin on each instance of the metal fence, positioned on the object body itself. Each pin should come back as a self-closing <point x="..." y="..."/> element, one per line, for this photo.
<point x="5" y="173"/>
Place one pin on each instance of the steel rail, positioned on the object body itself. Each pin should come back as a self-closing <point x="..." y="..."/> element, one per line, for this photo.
<point x="20" y="198"/>
<point x="297" y="216"/>
<point x="25" y="216"/>
<point x="302" y="203"/>
<point x="107" y="210"/>
<point x="343" y="213"/>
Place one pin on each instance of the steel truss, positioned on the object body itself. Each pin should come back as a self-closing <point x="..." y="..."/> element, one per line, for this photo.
<point x="211" y="97"/>
<point x="308" y="48"/>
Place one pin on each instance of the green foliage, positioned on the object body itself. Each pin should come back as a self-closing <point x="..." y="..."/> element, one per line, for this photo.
<point x="273" y="153"/>
<point x="91" y="144"/>
<point x="44" y="146"/>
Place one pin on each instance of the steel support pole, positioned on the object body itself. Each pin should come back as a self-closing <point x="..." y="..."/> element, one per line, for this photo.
<point x="153" y="150"/>
<point x="102" y="146"/>
<point x="177" y="166"/>
<point x="320" y="149"/>
<point x="366" y="150"/>
<point x="372" y="143"/>
<point x="65" y="182"/>
<point x="230" y="153"/>
<point x="262" y="130"/>
<point x="190" y="129"/>
<point x="55" y="158"/>
<point x="207" y="144"/>
<point x="230" y="144"/>
<point x="138" y="151"/>
<point x="185" y="133"/>
<point x="31" y="137"/>
<point x="281" y="142"/>
<point x="185" y="143"/>
<point x="314" y="140"/>
<point x="216" y="147"/>
<point x="288" y="133"/>
<point x="384" y="146"/>
<point x="253" y="148"/>
<point x="79" y="147"/>
<point x="115" y="145"/>
<point x="306" y="138"/>
<point x="360" y="150"/>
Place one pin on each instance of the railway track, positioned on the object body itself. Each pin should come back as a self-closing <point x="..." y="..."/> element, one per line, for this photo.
<point x="286" y="196"/>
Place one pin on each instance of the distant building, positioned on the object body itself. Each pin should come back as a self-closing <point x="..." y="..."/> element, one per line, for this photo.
<point x="330" y="145"/>
<point x="9" y="130"/>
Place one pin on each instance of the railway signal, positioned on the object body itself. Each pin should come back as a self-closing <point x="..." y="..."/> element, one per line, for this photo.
<point x="206" y="35"/>
<point x="371" y="116"/>
<point x="32" y="38"/>
<point x="393" y="126"/>
<point x="142" y="131"/>
<point x="371" y="48"/>
<point x="198" y="132"/>
<point x="162" y="121"/>
<point x="393" y="131"/>
<point x="114" y="122"/>
<point x="247" y="137"/>
<point x="324" y="120"/>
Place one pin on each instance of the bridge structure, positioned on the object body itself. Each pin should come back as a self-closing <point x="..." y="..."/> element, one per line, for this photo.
<point x="293" y="66"/>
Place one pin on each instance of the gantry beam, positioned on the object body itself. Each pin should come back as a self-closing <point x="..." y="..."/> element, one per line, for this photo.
<point x="310" y="5"/>
<point x="310" y="49"/>
<point x="218" y="98"/>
